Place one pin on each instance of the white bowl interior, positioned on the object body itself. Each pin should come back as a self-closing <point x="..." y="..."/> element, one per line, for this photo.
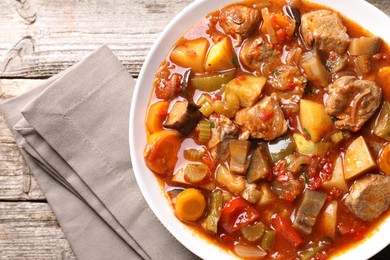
<point x="358" y="10"/>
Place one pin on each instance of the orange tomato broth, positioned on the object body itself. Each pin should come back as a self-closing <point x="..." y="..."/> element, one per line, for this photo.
<point x="342" y="243"/>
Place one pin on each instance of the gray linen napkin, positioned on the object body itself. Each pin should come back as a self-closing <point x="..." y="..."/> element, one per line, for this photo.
<point x="74" y="136"/>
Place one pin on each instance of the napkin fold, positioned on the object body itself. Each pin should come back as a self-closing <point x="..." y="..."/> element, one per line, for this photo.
<point x="73" y="132"/>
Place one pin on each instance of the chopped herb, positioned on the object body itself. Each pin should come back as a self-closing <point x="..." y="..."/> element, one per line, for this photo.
<point x="304" y="175"/>
<point x="309" y="90"/>
<point x="212" y="124"/>
<point x="304" y="80"/>
<point x="275" y="72"/>
<point x="235" y="61"/>
<point x="306" y="132"/>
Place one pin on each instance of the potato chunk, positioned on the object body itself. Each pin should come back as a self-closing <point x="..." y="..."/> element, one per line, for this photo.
<point x="357" y="159"/>
<point x="308" y="147"/>
<point x="220" y="56"/>
<point x="247" y="88"/>
<point x="329" y="219"/>
<point x="314" y="119"/>
<point x="191" y="54"/>
<point x="338" y="179"/>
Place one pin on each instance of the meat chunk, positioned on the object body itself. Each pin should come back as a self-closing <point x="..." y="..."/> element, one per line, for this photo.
<point x="224" y="130"/>
<point x="288" y="84"/>
<point x="336" y="62"/>
<point x="183" y="117"/>
<point x="352" y="102"/>
<point x="238" y="21"/>
<point x="255" y="53"/>
<point x="263" y="120"/>
<point x="285" y="78"/>
<point x="287" y="190"/>
<point x="369" y="196"/>
<point x="323" y="29"/>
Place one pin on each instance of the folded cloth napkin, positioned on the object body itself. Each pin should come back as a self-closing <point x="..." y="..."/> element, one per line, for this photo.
<point x="73" y="131"/>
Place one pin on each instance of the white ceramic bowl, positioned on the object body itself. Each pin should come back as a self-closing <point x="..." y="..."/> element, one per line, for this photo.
<point x="357" y="10"/>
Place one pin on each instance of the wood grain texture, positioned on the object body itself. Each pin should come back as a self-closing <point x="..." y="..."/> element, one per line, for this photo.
<point x="30" y="231"/>
<point x="65" y="31"/>
<point x="16" y="180"/>
<point x="41" y="37"/>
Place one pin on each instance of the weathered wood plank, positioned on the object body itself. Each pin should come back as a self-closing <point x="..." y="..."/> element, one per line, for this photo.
<point x="31" y="231"/>
<point x="56" y="34"/>
<point x="39" y="40"/>
<point x="16" y="180"/>
<point x="383" y="5"/>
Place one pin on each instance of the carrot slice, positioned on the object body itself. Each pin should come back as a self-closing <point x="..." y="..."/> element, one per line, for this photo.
<point x="383" y="80"/>
<point x="156" y="116"/>
<point x="161" y="151"/>
<point x="190" y="204"/>
<point x="384" y="160"/>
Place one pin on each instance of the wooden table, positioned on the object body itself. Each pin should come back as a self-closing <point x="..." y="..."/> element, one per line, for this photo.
<point x="39" y="38"/>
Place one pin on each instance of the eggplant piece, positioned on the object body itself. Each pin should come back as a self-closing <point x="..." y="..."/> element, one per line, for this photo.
<point x="314" y="69"/>
<point x="260" y="164"/>
<point x="239" y="150"/>
<point x="184" y="83"/>
<point x="382" y="126"/>
<point x="362" y="64"/>
<point x="183" y="117"/>
<point x="364" y="46"/>
<point x="293" y="13"/>
<point x="307" y="213"/>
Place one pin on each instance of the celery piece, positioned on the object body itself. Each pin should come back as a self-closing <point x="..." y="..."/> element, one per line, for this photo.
<point x="212" y="82"/>
<point x="204" y="131"/>
<point x="215" y="207"/>
<point x="382" y="126"/>
<point x="268" y="240"/>
<point x="195" y="173"/>
<point x="253" y="232"/>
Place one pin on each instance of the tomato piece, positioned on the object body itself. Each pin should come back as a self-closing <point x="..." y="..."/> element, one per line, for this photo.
<point x="266" y="115"/>
<point x="285" y="228"/>
<point x="236" y="214"/>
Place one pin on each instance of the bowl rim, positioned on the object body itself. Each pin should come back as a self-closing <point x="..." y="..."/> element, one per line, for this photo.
<point x="146" y="180"/>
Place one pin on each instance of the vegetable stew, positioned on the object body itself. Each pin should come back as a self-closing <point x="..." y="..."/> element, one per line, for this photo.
<point x="269" y="128"/>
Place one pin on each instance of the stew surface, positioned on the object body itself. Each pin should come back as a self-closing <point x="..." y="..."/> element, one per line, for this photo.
<point x="269" y="129"/>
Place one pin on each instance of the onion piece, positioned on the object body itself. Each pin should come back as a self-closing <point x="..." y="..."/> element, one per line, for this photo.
<point x="268" y="25"/>
<point x="248" y="252"/>
<point x="297" y="163"/>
